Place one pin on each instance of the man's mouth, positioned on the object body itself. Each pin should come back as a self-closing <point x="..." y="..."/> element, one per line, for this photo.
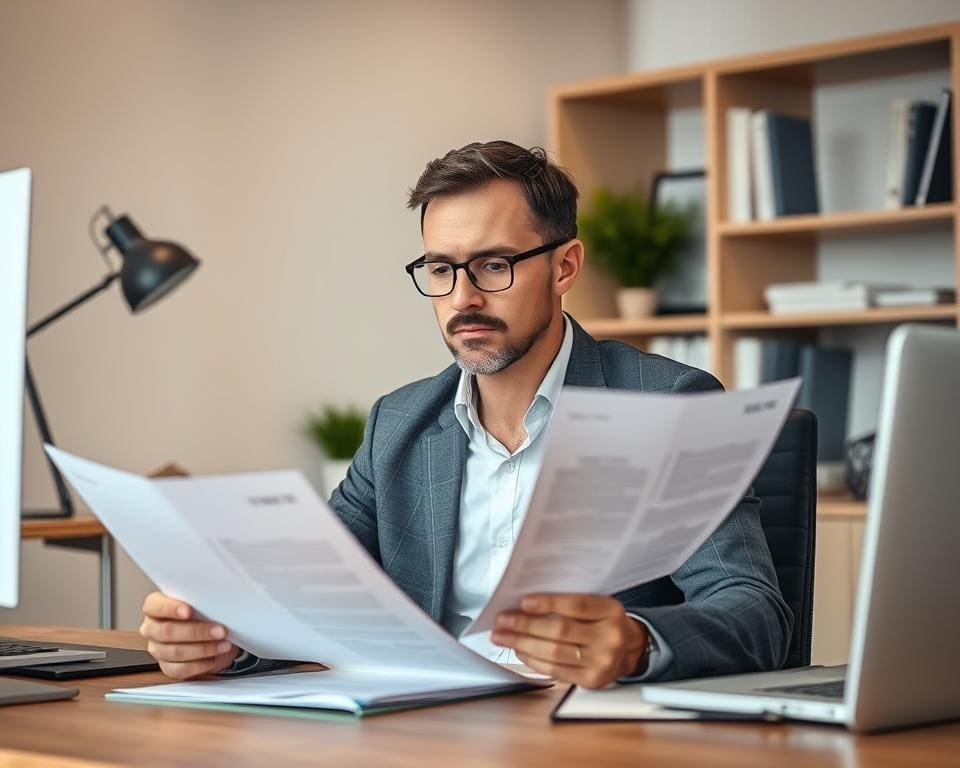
<point x="467" y="325"/>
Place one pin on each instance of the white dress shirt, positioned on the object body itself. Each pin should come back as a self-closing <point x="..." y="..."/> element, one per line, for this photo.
<point x="494" y="495"/>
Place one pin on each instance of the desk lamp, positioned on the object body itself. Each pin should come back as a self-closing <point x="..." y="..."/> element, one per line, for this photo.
<point x="149" y="270"/>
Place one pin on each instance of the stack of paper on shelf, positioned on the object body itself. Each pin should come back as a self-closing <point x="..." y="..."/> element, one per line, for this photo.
<point x="832" y="296"/>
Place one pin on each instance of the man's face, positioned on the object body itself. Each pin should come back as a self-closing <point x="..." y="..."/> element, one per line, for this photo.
<point x="486" y="332"/>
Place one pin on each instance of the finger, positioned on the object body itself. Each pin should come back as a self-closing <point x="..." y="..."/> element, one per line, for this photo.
<point x="546" y="650"/>
<point x="575" y="606"/>
<point x="585" y="677"/>
<point x="551" y="627"/>
<point x="160" y="606"/>
<point x="166" y="631"/>
<point x="188" y="651"/>
<point x="191" y="669"/>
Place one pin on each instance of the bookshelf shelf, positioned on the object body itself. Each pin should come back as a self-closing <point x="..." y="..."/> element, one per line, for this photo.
<point x="852" y="222"/>
<point x="840" y="507"/>
<point x="763" y="320"/>
<point x="615" y="327"/>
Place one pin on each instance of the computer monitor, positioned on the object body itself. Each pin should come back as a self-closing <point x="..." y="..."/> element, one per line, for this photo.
<point x="14" y="250"/>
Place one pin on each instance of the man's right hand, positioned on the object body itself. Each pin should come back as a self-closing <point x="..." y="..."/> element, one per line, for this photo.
<point x="186" y="648"/>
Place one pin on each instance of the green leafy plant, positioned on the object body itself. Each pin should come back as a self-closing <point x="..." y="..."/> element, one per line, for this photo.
<point x="631" y="239"/>
<point x="337" y="431"/>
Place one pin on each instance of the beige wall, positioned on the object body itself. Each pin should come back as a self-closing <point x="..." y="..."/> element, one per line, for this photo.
<point x="276" y="140"/>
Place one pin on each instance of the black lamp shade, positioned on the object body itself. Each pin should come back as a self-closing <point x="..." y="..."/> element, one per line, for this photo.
<point x="151" y="268"/>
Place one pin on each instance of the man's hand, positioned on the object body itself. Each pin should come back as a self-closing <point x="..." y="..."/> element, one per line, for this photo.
<point x="185" y="648"/>
<point x="584" y="639"/>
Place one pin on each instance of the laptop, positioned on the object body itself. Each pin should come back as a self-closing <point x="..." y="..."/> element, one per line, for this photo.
<point x="904" y="668"/>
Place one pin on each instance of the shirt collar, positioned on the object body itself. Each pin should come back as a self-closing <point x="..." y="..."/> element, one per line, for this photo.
<point x="465" y="405"/>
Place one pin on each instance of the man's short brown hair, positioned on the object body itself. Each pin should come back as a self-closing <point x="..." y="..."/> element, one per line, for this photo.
<point x="548" y="188"/>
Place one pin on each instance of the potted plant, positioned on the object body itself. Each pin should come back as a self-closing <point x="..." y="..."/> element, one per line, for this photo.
<point x="338" y="432"/>
<point x="635" y="242"/>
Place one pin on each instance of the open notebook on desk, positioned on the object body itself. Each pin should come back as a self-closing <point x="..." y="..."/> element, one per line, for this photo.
<point x="263" y="555"/>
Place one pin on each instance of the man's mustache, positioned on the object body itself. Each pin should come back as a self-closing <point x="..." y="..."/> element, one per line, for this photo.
<point x="474" y="318"/>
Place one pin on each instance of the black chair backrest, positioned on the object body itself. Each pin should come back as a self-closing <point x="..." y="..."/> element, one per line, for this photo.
<point x="787" y="488"/>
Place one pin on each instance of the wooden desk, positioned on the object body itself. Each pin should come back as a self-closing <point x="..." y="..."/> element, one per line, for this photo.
<point x="503" y="731"/>
<point x="82" y="531"/>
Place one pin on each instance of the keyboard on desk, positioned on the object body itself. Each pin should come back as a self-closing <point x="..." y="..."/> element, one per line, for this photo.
<point x="831" y="689"/>
<point x="11" y="647"/>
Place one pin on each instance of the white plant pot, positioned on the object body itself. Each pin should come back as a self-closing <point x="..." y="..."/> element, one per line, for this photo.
<point x="332" y="472"/>
<point x="636" y="302"/>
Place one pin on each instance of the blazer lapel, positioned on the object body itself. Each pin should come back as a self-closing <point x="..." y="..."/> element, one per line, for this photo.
<point x="446" y="462"/>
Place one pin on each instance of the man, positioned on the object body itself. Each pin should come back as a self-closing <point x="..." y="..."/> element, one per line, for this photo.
<point x="438" y="489"/>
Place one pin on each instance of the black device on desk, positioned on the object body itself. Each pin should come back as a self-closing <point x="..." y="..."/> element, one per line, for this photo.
<point x="118" y="661"/>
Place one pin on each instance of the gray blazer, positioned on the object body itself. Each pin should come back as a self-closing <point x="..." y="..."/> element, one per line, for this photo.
<point x="720" y="613"/>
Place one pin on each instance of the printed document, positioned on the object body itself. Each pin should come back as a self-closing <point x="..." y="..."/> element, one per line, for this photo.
<point x="631" y="485"/>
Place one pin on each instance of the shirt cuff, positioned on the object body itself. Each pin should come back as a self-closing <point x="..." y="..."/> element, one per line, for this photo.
<point x="658" y="658"/>
<point x="243" y="663"/>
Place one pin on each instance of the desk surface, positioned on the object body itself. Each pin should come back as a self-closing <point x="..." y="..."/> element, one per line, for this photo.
<point x="77" y="527"/>
<point x="503" y="731"/>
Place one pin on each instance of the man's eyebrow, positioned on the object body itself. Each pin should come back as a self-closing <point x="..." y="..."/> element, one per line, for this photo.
<point x="493" y="250"/>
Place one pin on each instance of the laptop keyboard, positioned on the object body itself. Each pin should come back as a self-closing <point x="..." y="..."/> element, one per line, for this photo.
<point x="18" y="648"/>
<point x="832" y="689"/>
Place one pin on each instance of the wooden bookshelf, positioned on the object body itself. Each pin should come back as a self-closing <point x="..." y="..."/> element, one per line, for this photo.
<point x="765" y="320"/>
<point x="840" y="507"/>
<point x="847" y="223"/>
<point x="615" y="327"/>
<point x="613" y="132"/>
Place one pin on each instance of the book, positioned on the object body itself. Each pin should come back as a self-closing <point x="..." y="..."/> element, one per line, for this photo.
<point x="781" y="360"/>
<point x="761" y="167"/>
<point x="826" y="296"/>
<point x="825" y="289"/>
<point x="919" y="125"/>
<point x="739" y="187"/>
<point x="786" y="179"/>
<point x="936" y="181"/>
<point x="915" y="297"/>
<point x="825" y="391"/>
<point x="896" y="152"/>
<point x="850" y="304"/>
<point x="747" y="362"/>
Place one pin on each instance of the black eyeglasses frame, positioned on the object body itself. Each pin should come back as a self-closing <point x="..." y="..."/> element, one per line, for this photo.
<point x="464" y="265"/>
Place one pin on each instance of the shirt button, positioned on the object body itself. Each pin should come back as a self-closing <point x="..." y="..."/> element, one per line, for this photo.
<point x="509" y="466"/>
<point x="503" y="542"/>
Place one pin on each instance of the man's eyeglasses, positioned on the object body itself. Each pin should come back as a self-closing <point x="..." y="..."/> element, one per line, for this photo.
<point x="490" y="274"/>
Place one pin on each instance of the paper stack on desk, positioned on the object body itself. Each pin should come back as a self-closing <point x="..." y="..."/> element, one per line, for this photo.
<point x="631" y="485"/>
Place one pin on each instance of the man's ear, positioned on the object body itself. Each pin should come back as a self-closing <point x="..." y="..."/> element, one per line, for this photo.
<point x="567" y="261"/>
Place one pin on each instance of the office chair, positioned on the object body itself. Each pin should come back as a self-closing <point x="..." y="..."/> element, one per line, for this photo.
<point x="787" y="488"/>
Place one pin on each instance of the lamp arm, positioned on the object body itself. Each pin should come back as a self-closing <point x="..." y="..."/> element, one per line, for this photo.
<point x="72" y="305"/>
<point x="63" y="495"/>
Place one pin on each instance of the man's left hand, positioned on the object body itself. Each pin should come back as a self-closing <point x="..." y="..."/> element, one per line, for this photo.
<point x="587" y="640"/>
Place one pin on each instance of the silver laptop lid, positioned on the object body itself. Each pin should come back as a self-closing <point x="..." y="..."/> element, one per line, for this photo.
<point x="904" y="667"/>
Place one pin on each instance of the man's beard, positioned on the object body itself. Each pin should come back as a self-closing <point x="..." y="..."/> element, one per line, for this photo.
<point x="489" y="361"/>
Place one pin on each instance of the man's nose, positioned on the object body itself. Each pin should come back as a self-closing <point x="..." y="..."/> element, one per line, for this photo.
<point x="465" y="294"/>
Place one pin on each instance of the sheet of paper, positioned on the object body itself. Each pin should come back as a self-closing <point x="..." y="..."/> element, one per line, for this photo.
<point x="632" y="484"/>
<point x="618" y="702"/>
<point x="264" y="555"/>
